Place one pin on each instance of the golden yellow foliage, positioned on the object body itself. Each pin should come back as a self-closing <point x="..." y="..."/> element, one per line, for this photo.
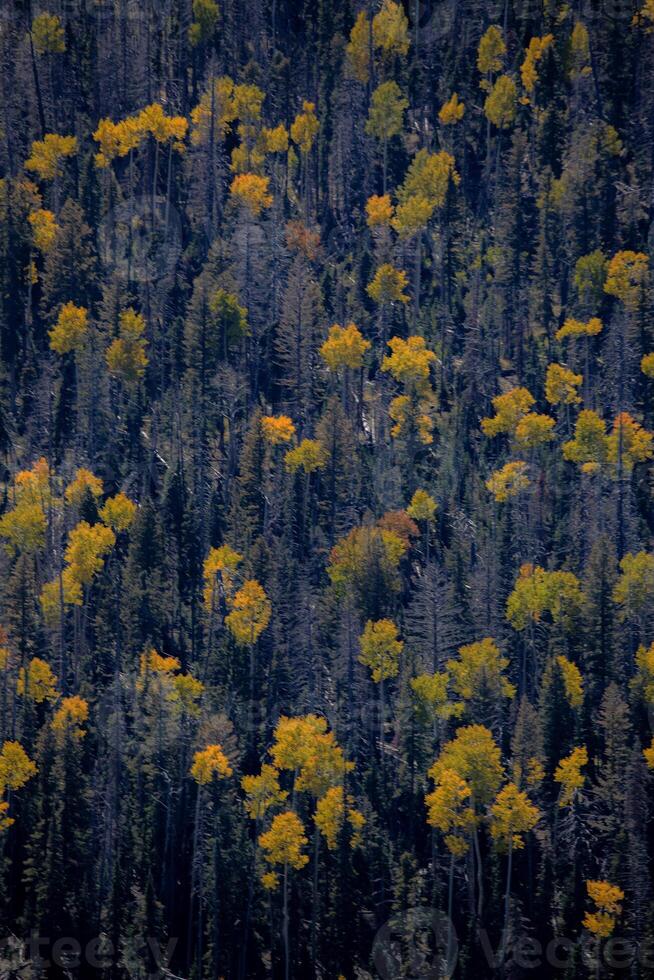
<point x="84" y="482"/>
<point x="206" y="14"/>
<point x="509" y="481"/>
<point x="537" y="591"/>
<point x="224" y="561"/>
<point x="628" y="443"/>
<point x="412" y="216"/>
<point x="304" y="128"/>
<point x="535" y="51"/>
<point x="388" y="285"/>
<point x="252" y="192"/>
<point x="380" y="649"/>
<point x="475" y="757"/>
<point x="251" y="611"/>
<point x="561" y="385"/>
<point x="379" y="210"/>
<point x="69" y="332"/>
<point x="627" y="277"/>
<point x="294" y="740"/>
<point x="16" y="769"/>
<point x="118" y="512"/>
<point x="277" y="429"/>
<point x="208" y="763"/>
<point x="452" y="111"/>
<point x="387" y="108"/>
<point x="44" y="228"/>
<point x="491" y="51"/>
<point x="24" y="528"/>
<point x="125" y="356"/>
<point x="422" y="506"/>
<point x="533" y="430"/>
<point x="390" y="29"/>
<point x="86" y="548"/>
<point x="283" y="843"/>
<point x="345" y="347"/>
<point x="429" y="177"/>
<point x="358" y="48"/>
<point x="501" y="101"/>
<point x="309" y="455"/>
<point x="510" y="408"/>
<point x="331" y="812"/>
<point x="607" y="899"/>
<point x="512" y="816"/>
<point x="635" y="586"/>
<point x="647" y="365"/>
<point x="479" y="668"/>
<point x="449" y="810"/>
<point x="37" y="681"/>
<point x="47" y="155"/>
<point x="410" y="361"/>
<point x="214" y="114"/>
<point x="70" y="716"/>
<point x="569" y="776"/>
<point x="577" y="328"/>
<point x="262" y="792"/>
<point x="573" y="681"/>
<point x="276" y="139"/>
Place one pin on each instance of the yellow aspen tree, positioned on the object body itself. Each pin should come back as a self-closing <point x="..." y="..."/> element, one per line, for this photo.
<point x="509" y="481"/>
<point x="561" y="385"/>
<point x="277" y="429"/>
<point x="333" y="810"/>
<point x="569" y="776"/>
<point x="118" y="512"/>
<point x="510" y="407"/>
<point x="70" y="330"/>
<point x="48" y="154"/>
<point x="48" y="34"/>
<point x="16" y="769"/>
<point x="252" y="192"/>
<point x="126" y="358"/>
<point x="452" y="111"/>
<point x="607" y="899"/>
<point x="69" y="717"/>
<point x="83" y="483"/>
<point x="284" y="845"/>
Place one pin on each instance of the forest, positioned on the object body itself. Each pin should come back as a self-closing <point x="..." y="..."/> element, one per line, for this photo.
<point x="326" y="489"/>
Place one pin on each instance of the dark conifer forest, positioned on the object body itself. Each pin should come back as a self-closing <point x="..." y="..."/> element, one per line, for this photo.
<point x="326" y="489"/>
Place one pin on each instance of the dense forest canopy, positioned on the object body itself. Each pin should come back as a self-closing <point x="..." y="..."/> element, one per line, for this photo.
<point x="326" y="459"/>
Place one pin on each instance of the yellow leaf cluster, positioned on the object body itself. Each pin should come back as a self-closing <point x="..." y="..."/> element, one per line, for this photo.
<point x="422" y="506"/>
<point x="569" y="776"/>
<point x="304" y="128"/>
<point x="352" y="556"/>
<point x="512" y="816"/>
<point x="224" y="561"/>
<point x="579" y="328"/>
<point x="252" y="192"/>
<point x="428" y="178"/>
<point x="379" y="210"/>
<point x="125" y="356"/>
<point x="70" y="716"/>
<point x="533" y="430"/>
<point x="510" y="408"/>
<point x="509" y="481"/>
<point x="388" y="285"/>
<point x="627" y="277"/>
<point x="380" y="649"/>
<point x="537" y="591"/>
<point x="573" y="681"/>
<point x="24" y="528"/>
<point x="262" y="792"/>
<point x="479" y="668"/>
<point x="635" y="586"/>
<point x="452" y="111"/>
<point x="475" y="757"/>
<point x="205" y="17"/>
<point x="535" y="51"/>
<point x="491" y="51"/>
<point x="16" y="769"/>
<point x="607" y="899"/>
<point x="644" y="679"/>
<point x="387" y="108"/>
<point x="83" y="483"/>
<point x="277" y="429"/>
<point x="647" y="365"/>
<point x="87" y="546"/>
<point x="48" y="34"/>
<point x="501" y="102"/>
<point x="37" y="681"/>
<point x="331" y="812"/>
<point x="431" y="691"/>
<point x="44" y="228"/>
<point x="561" y="385"/>
<point x="283" y="843"/>
<point x="69" y="332"/>
<point x="410" y="361"/>
<point x="118" y="512"/>
<point x="345" y="347"/>
<point x="309" y="456"/>
<point x="389" y="34"/>
<point x="251" y="611"/>
<point x="208" y="763"/>
<point x="47" y="155"/>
